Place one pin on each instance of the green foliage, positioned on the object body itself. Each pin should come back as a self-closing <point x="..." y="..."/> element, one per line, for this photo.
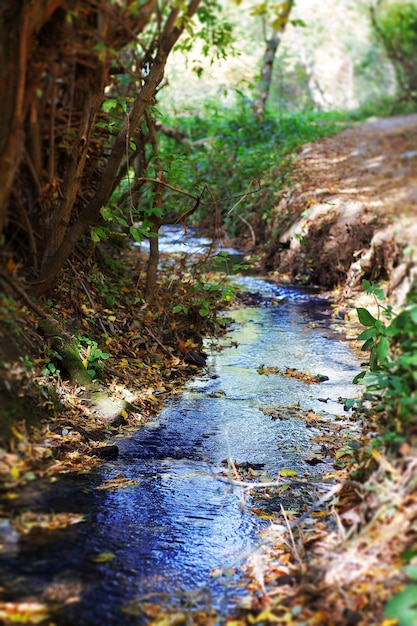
<point x="395" y="24"/>
<point x="210" y="289"/>
<point x="243" y="162"/>
<point x="403" y="606"/>
<point x="51" y="362"/>
<point x="26" y="362"/>
<point x="92" y="355"/>
<point x="391" y="340"/>
<point x="212" y="30"/>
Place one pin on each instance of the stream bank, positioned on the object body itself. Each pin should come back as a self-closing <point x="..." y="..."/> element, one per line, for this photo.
<point x="350" y="212"/>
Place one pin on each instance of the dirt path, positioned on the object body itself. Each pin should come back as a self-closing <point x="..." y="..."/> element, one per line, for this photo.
<point x="352" y="211"/>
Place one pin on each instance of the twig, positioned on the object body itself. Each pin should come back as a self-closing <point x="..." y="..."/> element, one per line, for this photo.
<point x="160" y="344"/>
<point x="83" y="285"/>
<point x="114" y="372"/>
<point x="22" y="293"/>
<point x="252" y="232"/>
<point x="146" y="179"/>
<point x="284" y="515"/>
<point x="90" y="299"/>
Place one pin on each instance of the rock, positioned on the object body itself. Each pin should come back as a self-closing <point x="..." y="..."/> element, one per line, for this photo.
<point x="107" y="452"/>
<point x="198" y="359"/>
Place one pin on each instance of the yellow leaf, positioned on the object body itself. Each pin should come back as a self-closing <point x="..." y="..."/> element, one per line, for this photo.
<point x="266" y="616"/>
<point x="383" y="462"/>
<point x="287" y="472"/>
<point x="85" y="363"/>
<point x="16" y="433"/>
<point x="11" y="495"/>
<point x="259" y="9"/>
<point x="340" y="453"/>
<point x="104" y="557"/>
<point x="14" y="472"/>
<point x="279" y="23"/>
<point x="124" y="414"/>
<point x="261" y="514"/>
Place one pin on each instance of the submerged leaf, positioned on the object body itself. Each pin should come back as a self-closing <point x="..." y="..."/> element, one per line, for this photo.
<point x="104" y="557"/>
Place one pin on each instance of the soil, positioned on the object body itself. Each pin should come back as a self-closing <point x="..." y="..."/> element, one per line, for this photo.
<point x="351" y="211"/>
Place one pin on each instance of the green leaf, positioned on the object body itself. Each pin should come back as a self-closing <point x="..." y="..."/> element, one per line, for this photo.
<point x="298" y="22"/>
<point x="403" y="606"/>
<point x="358" y="378"/>
<point x="366" y="285"/>
<point x="368" y="345"/>
<point x="411" y="571"/>
<point x="107" y="214"/>
<point x="367" y="334"/>
<point x="413" y="314"/>
<point x="378" y="292"/>
<point x="227" y="293"/>
<point x="365" y="317"/>
<point x="178" y="308"/>
<point x="136" y="234"/>
<point x="382" y="349"/>
<point x="109" y="104"/>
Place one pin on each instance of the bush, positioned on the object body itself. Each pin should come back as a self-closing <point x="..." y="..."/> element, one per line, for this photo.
<point x="391" y="376"/>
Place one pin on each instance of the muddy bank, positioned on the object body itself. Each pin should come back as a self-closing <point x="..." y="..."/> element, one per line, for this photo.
<point x="351" y="212"/>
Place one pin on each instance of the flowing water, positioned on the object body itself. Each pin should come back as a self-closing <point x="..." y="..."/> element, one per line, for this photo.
<point x="164" y="536"/>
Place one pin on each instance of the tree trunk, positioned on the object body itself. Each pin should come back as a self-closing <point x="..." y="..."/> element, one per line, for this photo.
<point x="90" y="214"/>
<point x="18" y="23"/>
<point x="268" y="61"/>
<point x="152" y="268"/>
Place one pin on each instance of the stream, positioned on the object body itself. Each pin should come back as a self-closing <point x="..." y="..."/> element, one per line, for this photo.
<point x="164" y="536"/>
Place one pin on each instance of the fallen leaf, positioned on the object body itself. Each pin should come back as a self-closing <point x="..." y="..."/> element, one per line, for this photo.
<point x="104" y="557"/>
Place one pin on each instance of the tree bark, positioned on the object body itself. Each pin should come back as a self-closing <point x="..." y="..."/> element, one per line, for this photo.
<point x="172" y="30"/>
<point x="272" y="45"/>
<point x="18" y="23"/>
